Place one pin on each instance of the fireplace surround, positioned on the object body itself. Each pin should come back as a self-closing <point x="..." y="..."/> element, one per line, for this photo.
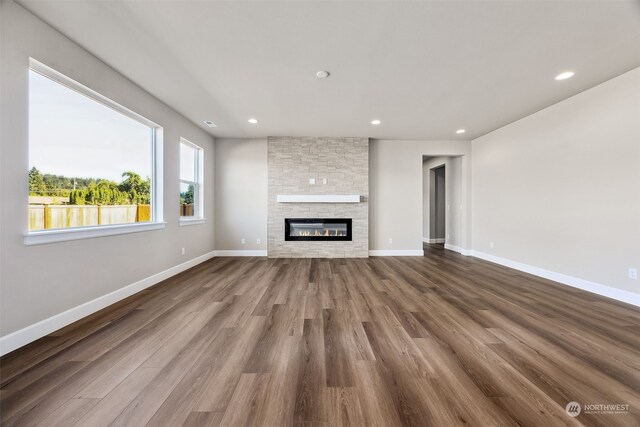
<point x="323" y="178"/>
<point x="317" y="229"/>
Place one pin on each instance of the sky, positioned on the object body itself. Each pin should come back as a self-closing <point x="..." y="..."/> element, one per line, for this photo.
<point x="75" y="136"/>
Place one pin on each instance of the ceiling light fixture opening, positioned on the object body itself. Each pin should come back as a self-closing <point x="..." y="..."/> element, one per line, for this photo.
<point x="565" y="75"/>
<point x="210" y="124"/>
<point x="375" y="122"/>
<point x="461" y="131"/>
<point x="322" y="74"/>
<point x="253" y="121"/>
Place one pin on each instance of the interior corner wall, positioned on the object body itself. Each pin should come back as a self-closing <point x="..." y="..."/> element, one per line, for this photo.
<point x="396" y="191"/>
<point x="37" y="281"/>
<point x="241" y="194"/>
<point x="560" y="189"/>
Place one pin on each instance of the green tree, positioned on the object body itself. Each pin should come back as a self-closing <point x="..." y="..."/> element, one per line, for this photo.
<point x="188" y="195"/>
<point x="37" y="186"/>
<point x="138" y="189"/>
<point x="78" y="197"/>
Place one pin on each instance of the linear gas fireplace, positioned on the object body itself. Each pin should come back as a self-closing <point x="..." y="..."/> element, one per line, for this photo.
<point x="319" y="229"/>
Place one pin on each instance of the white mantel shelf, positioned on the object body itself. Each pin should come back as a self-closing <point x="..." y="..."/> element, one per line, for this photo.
<point x="318" y="198"/>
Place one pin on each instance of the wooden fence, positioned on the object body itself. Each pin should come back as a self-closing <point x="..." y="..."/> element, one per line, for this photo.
<point x="44" y="217"/>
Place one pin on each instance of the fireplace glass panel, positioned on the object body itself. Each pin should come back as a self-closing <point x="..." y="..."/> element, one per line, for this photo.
<point x="317" y="229"/>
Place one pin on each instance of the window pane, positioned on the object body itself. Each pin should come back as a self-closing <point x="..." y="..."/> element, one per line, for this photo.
<point x="187" y="199"/>
<point x="89" y="164"/>
<point x="187" y="163"/>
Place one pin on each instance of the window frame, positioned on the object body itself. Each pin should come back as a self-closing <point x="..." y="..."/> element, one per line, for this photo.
<point x="198" y="192"/>
<point x="76" y="233"/>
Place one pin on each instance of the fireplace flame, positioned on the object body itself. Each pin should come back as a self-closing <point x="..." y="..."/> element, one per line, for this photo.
<point x="317" y="233"/>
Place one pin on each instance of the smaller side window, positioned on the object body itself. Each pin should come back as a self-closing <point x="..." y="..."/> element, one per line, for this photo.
<point x="191" y="177"/>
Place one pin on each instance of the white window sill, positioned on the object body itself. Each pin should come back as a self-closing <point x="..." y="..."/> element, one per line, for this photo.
<point x="64" y="235"/>
<point x="194" y="221"/>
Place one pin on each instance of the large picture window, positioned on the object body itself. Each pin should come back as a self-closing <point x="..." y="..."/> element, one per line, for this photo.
<point x="191" y="176"/>
<point x="91" y="161"/>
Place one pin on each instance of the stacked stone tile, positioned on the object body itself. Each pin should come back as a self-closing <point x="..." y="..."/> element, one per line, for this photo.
<point x="344" y="162"/>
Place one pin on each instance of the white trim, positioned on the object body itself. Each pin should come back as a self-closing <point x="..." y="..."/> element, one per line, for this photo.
<point x="439" y="240"/>
<point x="427" y="240"/>
<point x="66" y="234"/>
<point x="155" y="140"/>
<point x="76" y="86"/>
<point x="225" y="253"/>
<point x="198" y="196"/>
<point x="194" y="221"/>
<point x="405" y="252"/>
<point x="458" y="249"/>
<point x="24" y="336"/>
<point x="585" y="285"/>
<point x="318" y="198"/>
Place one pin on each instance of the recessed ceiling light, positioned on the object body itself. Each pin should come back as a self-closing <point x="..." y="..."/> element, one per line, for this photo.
<point x="253" y="121"/>
<point x="322" y="74"/>
<point x="460" y="131"/>
<point x="210" y="123"/>
<point x="565" y="75"/>
<point x="375" y="122"/>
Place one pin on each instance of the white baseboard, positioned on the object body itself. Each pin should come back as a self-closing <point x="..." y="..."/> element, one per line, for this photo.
<point x="24" y="336"/>
<point x="224" y="253"/>
<point x="458" y="249"/>
<point x="426" y="240"/>
<point x="406" y="252"/>
<point x="585" y="285"/>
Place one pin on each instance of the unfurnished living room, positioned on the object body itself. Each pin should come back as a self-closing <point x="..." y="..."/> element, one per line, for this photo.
<point x="319" y="213"/>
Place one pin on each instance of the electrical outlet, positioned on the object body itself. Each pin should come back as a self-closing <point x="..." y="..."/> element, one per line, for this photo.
<point x="390" y="240"/>
<point x="491" y="244"/>
<point x="182" y="251"/>
<point x="324" y="181"/>
<point x="257" y="241"/>
<point x="448" y="236"/>
<point x="243" y="241"/>
<point x="633" y="273"/>
<point x="312" y="181"/>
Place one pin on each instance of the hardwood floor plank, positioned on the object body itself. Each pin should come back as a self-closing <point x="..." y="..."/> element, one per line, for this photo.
<point x="437" y="340"/>
<point x="113" y="403"/>
<point x="203" y="419"/>
<point x="312" y="377"/>
<point x="244" y="407"/>
<point x="70" y="413"/>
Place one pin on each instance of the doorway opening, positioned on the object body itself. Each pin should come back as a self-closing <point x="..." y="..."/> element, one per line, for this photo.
<point x="443" y="196"/>
<point x="436" y="222"/>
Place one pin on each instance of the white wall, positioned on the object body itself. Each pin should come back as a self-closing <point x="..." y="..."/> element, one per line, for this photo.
<point x="42" y="281"/>
<point x="396" y="191"/>
<point x="241" y="194"/>
<point x="560" y="189"/>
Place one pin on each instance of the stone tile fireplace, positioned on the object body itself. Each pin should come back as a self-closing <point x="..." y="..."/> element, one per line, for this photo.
<point x="318" y="197"/>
